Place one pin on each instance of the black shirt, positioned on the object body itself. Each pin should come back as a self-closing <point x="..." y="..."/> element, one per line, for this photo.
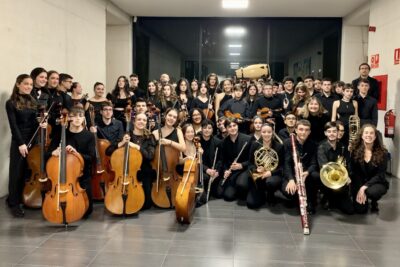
<point x="326" y="153"/>
<point x="373" y="87"/>
<point x="275" y="103"/>
<point x="307" y="154"/>
<point x="275" y="146"/>
<point x="327" y="102"/>
<point x="235" y="106"/>
<point x="317" y="126"/>
<point x="365" y="173"/>
<point x="367" y="110"/>
<point x="209" y="147"/>
<point x="113" y="132"/>
<point x="230" y="150"/>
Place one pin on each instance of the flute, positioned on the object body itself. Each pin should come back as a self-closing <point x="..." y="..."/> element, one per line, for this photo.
<point x="301" y="189"/>
<point x="236" y="159"/>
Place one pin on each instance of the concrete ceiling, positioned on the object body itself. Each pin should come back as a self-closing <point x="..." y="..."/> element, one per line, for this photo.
<point x="257" y="8"/>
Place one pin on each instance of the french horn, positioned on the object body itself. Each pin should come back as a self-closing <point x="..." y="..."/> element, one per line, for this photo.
<point x="266" y="158"/>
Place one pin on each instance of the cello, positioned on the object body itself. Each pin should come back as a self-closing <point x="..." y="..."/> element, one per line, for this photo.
<point x="37" y="184"/>
<point x="185" y="197"/>
<point x="99" y="174"/>
<point x="125" y="194"/>
<point x="165" y="186"/>
<point x="67" y="201"/>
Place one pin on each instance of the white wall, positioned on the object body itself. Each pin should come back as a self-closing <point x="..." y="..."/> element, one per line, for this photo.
<point x="67" y="36"/>
<point x="305" y="52"/>
<point x="385" y="16"/>
<point x="163" y="59"/>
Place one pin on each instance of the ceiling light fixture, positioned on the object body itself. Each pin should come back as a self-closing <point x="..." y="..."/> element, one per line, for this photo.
<point x="235" y="4"/>
<point x="235" y="45"/>
<point x="234" y="54"/>
<point x="234" y="63"/>
<point x="235" y="31"/>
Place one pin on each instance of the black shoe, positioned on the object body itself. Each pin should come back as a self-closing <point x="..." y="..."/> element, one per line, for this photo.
<point x="374" y="206"/>
<point x="17" y="211"/>
<point x="311" y="209"/>
<point x="271" y="199"/>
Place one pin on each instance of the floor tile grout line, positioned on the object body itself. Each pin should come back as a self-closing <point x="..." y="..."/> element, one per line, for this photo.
<point x="296" y="247"/>
<point x="35" y="248"/>
<point x="169" y="247"/>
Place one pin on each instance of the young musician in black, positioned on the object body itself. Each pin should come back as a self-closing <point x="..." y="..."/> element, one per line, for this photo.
<point x="267" y="180"/>
<point x="210" y="144"/>
<point x="330" y="150"/>
<point x="307" y="151"/>
<point x="368" y="164"/>
<point x="21" y="110"/>
<point x="108" y="127"/>
<point x="327" y="97"/>
<point x="144" y="141"/>
<point x="80" y="140"/>
<point x="235" y="160"/>
<point x="367" y="105"/>
<point x="290" y="122"/>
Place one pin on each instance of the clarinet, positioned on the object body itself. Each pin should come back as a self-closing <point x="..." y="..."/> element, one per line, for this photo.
<point x="301" y="188"/>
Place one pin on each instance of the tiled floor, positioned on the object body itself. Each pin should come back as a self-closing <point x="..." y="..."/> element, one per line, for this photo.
<point x="222" y="234"/>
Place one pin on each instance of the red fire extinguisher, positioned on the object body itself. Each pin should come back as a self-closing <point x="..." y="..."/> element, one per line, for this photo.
<point x="390" y="120"/>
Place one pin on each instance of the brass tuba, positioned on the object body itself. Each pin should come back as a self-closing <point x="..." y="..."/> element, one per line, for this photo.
<point x="267" y="158"/>
<point x="354" y="127"/>
<point x="334" y="175"/>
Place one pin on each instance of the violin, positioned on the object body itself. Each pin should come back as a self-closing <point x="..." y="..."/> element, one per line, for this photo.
<point x="100" y="177"/>
<point x="125" y="195"/>
<point x="264" y="112"/>
<point x="228" y="114"/>
<point x="37" y="184"/>
<point x="67" y="201"/>
<point x="185" y="198"/>
<point x="209" y="112"/>
<point x="165" y="186"/>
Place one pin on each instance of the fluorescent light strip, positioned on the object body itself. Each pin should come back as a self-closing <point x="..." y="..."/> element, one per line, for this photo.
<point x="235" y="45"/>
<point x="235" y="4"/>
<point x="235" y="31"/>
<point x="234" y="63"/>
<point x="234" y="54"/>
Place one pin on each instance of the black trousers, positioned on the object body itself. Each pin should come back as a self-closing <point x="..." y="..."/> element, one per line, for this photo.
<point x="236" y="186"/>
<point x="85" y="183"/>
<point x="18" y="173"/>
<point x="146" y="177"/>
<point x="256" y="194"/>
<point x="312" y="184"/>
<point x="373" y="192"/>
<point x="340" y="199"/>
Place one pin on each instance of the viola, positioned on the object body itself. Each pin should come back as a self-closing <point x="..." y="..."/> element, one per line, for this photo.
<point x="38" y="183"/>
<point x="66" y="202"/>
<point x="185" y="198"/>
<point x="125" y="194"/>
<point x="99" y="172"/>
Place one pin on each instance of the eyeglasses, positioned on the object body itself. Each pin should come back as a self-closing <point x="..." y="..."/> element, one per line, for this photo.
<point x="107" y="109"/>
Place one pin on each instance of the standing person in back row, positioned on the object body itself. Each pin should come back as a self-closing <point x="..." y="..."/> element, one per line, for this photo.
<point x="364" y="69"/>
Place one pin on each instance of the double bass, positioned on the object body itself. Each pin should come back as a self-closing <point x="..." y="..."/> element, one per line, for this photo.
<point x="100" y="176"/>
<point x="185" y="198"/>
<point x="37" y="184"/>
<point x="125" y="194"/>
<point x="166" y="184"/>
<point x="67" y="201"/>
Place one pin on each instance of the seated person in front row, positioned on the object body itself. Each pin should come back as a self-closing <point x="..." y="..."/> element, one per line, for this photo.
<point x="234" y="182"/>
<point x="368" y="165"/>
<point x="269" y="180"/>
<point x="330" y="150"/>
<point x="307" y="154"/>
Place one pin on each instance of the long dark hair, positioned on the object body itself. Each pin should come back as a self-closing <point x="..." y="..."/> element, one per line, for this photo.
<point x="188" y="92"/>
<point x="115" y="91"/>
<point x="22" y="101"/>
<point x="378" y="150"/>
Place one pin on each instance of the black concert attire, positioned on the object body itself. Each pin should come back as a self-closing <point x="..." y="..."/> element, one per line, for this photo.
<point x="84" y="143"/>
<point x="256" y="195"/>
<point x="152" y="99"/>
<point x="288" y="96"/>
<point x="275" y="104"/>
<point x="197" y="103"/>
<point x="23" y="123"/>
<point x="339" y="198"/>
<point x="145" y="175"/>
<point x="307" y="154"/>
<point x="120" y="105"/>
<point x="284" y="133"/>
<point x="237" y="107"/>
<point x="317" y="126"/>
<point x="81" y="101"/>
<point x="367" y="110"/>
<point x="373" y="87"/>
<point x="236" y="185"/>
<point x="251" y="103"/>
<point x="113" y="131"/>
<point x="138" y="92"/>
<point x="209" y="147"/>
<point x="327" y="102"/>
<point x="344" y="111"/>
<point x="97" y="106"/>
<point x="164" y="105"/>
<point x="224" y="99"/>
<point x="365" y="173"/>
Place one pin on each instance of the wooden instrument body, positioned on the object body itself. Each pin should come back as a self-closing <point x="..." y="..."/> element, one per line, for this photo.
<point x="163" y="193"/>
<point x="208" y="113"/>
<point x="101" y="173"/>
<point x="32" y="195"/>
<point x="69" y="194"/>
<point x="125" y="194"/>
<point x="185" y="198"/>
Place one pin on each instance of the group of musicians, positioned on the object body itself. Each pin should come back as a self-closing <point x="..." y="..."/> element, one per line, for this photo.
<point x="248" y="131"/>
